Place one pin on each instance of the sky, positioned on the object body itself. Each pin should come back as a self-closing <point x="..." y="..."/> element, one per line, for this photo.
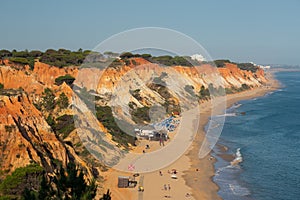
<point x="265" y="32"/>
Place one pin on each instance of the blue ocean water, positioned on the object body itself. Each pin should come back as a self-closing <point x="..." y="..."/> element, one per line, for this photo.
<point x="268" y="137"/>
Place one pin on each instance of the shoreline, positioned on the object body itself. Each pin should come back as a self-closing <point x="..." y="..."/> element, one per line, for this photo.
<point x="195" y="176"/>
<point x="207" y="188"/>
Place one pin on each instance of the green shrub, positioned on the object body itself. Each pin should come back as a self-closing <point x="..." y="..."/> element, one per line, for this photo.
<point x="115" y="63"/>
<point x="68" y="79"/>
<point x="230" y="90"/>
<point x="136" y="94"/>
<point x="235" y="89"/>
<point x="105" y="116"/>
<point x="146" y="56"/>
<point x="19" y="60"/>
<point x="19" y="177"/>
<point x="51" y="122"/>
<point x="62" y="101"/>
<point x="248" y="66"/>
<point x="132" y="105"/>
<point x="190" y="89"/>
<point x="22" y="54"/>
<point x="139" y="115"/>
<point x="126" y="55"/>
<point x="245" y="86"/>
<point x="106" y="196"/>
<point x="127" y="62"/>
<point x="48" y="101"/>
<point x="204" y="93"/>
<point x="63" y="57"/>
<point x="7" y="197"/>
<point x="66" y="184"/>
<point x="171" y="107"/>
<point x="5" y="53"/>
<point x="221" y="63"/>
<point x="35" y="53"/>
<point x="65" y="125"/>
<point x="1" y="86"/>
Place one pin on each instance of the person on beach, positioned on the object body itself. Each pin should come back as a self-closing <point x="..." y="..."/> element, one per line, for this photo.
<point x="169" y="187"/>
<point x="160" y="173"/>
<point x="165" y="187"/>
<point x="160" y="141"/>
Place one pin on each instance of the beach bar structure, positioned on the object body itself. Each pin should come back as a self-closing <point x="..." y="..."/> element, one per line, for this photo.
<point x="126" y="181"/>
<point x="123" y="181"/>
<point x="151" y="134"/>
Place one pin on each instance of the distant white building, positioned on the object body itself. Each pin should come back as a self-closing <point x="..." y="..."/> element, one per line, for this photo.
<point x="261" y="66"/>
<point x="265" y="67"/>
<point x="198" y="57"/>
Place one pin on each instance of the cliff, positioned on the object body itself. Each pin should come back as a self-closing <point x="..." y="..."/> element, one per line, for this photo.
<point x="115" y="86"/>
<point x="26" y="136"/>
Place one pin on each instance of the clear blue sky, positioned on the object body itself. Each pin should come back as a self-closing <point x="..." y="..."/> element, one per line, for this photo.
<point x="260" y="31"/>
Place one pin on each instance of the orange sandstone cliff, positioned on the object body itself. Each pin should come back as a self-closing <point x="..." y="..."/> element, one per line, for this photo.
<point x="26" y="137"/>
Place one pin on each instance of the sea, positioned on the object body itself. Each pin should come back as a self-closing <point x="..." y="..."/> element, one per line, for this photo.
<point x="264" y="135"/>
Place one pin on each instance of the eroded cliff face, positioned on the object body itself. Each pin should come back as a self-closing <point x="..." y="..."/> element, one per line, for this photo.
<point x="116" y="86"/>
<point x="47" y="74"/>
<point x="104" y="81"/>
<point x="25" y="135"/>
<point x="15" y="76"/>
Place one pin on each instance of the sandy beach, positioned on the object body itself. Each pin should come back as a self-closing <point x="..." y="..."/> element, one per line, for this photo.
<point x="194" y="174"/>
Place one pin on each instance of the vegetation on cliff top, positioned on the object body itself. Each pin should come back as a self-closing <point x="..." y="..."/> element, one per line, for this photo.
<point x="63" y="57"/>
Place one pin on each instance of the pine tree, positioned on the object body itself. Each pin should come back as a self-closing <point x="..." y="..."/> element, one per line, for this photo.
<point x="28" y="195"/>
<point x="44" y="191"/>
<point x="48" y="99"/>
<point x="106" y="196"/>
<point x="63" y="101"/>
<point x="73" y="184"/>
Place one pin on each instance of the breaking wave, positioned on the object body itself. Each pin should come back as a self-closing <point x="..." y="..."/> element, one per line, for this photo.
<point x="238" y="158"/>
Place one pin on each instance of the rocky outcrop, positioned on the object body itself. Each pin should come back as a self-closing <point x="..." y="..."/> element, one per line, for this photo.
<point x="14" y="78"/>
<point x="47" y="74"/>
<point x="25" y="135"/>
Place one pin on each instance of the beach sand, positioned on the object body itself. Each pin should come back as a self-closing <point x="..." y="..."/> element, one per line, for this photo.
<point x="194" y="174"/>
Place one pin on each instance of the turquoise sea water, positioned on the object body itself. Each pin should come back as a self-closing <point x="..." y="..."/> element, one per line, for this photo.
<point x="268" y="137"/>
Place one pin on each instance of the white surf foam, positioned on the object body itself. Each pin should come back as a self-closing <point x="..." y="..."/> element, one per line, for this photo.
<point x="239" y="190"/>
<point x="227" y="115"/>
<point x="238" y="158"/>
<point x="236" y="106"/>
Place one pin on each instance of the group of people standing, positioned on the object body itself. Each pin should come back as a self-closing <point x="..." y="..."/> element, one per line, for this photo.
<point x="167" y="187"/>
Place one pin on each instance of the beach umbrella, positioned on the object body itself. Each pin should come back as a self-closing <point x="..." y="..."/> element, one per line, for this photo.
<point x="174" y="176"/>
